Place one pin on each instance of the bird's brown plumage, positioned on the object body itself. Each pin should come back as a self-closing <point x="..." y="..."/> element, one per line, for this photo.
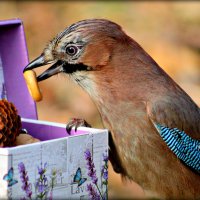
<point x="131" y="93"/>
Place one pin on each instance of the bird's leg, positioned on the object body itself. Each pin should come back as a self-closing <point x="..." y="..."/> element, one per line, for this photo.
<point x="76" y="122"/>
<point x="114" y="157"/>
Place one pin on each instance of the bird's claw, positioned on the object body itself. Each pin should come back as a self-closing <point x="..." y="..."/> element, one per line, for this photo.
<point x="75" y="122"/>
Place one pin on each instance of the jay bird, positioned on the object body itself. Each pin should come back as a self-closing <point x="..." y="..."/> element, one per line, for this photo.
<point x="154" y="124"/>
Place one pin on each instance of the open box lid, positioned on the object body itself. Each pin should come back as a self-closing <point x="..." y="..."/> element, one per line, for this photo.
<point x="13" y="58"/>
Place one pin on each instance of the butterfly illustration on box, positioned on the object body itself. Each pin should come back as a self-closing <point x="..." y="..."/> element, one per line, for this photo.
<point x="78" y="177"/>
<point x="9" y="177"/>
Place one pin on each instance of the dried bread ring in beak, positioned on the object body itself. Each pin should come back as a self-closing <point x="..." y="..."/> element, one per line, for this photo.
<point x="32" y="84"/>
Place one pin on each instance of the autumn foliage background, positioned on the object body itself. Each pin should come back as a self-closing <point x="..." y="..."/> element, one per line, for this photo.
<point x="168" y="31"/>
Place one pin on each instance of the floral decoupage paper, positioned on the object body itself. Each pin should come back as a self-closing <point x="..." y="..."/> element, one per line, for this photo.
<point x="74" y="167"/>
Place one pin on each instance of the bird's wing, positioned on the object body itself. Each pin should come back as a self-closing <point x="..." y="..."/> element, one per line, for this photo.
<point x="186" y="148"/>
<point x="183" y="146"/>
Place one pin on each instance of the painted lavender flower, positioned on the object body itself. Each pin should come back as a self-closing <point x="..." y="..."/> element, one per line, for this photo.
<point x="93" y="193"/>
<point x="91" y="167"/>
<point x="104" y="174"/>
<point x="26" y="186"/>
<point x="42" y="183"/>
<point x="104" y="169"/>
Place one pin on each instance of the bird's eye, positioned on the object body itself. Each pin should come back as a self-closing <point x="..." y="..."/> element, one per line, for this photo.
<point x="71" y="50"/>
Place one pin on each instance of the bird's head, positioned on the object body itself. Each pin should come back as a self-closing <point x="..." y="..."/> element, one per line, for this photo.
<point x="82" y="47"/>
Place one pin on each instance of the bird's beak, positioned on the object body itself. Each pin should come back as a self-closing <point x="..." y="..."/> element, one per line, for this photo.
<point x="38" y="62"/>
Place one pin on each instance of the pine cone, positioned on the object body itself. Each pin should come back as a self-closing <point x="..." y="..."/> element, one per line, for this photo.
<point x="10" y="123"/>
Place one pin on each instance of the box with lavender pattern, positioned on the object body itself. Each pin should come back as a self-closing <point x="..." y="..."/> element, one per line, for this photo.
<point x="60" y="166"/>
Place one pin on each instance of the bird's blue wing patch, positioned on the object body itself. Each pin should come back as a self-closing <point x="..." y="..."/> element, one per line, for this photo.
<point x="184" y="147"/>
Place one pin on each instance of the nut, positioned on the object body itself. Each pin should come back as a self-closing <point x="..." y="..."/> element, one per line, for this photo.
<point x="25" y="139"/>
<point x="32" y="84"/>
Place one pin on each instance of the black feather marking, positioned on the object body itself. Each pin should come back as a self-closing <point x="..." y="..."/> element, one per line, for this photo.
<point x="71" y="68"/>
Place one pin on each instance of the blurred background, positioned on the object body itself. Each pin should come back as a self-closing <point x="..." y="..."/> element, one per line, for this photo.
<point x="168" y="31"/>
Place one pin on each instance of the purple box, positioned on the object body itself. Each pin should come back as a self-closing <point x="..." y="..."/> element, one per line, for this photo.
<point x="56" y="167"/>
